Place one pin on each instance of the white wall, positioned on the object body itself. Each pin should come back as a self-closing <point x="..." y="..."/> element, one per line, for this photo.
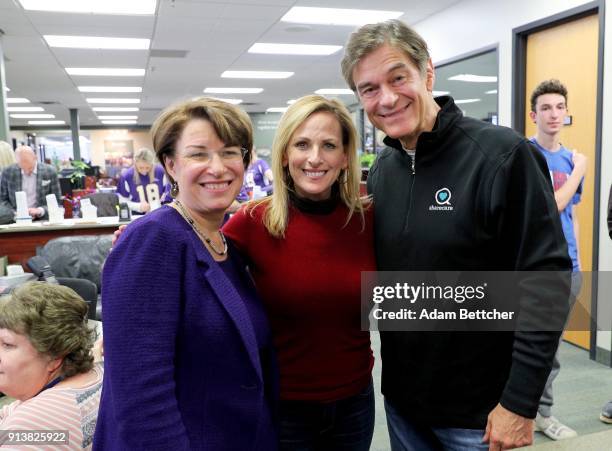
<point x="471" y="25"/>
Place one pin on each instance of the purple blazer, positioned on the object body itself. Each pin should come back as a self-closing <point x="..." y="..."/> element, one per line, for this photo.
<point x="183" y="368"/>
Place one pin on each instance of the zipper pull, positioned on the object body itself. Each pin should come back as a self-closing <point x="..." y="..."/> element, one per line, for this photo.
<point x="413" y="171"/>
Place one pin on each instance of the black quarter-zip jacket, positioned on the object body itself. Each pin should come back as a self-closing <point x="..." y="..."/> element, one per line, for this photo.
<point x="496" y="212"/>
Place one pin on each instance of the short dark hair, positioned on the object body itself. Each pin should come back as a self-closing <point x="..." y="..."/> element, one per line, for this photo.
<point x="552" y="86"/>
<point x="232" y="125"/>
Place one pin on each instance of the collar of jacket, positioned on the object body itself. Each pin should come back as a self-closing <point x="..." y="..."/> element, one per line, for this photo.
<point x="427" y="144"/>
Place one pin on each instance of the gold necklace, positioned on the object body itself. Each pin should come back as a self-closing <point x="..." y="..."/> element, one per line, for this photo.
<point x="201" y="234"/>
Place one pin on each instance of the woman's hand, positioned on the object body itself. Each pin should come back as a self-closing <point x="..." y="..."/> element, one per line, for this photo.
<point x="117" y="233"/>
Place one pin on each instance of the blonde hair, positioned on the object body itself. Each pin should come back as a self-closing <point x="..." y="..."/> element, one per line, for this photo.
<point x="7" y="155"/>
<point x="146" y="156"/>
<point x="276" y="214"/>
<point x="232" y="125"/>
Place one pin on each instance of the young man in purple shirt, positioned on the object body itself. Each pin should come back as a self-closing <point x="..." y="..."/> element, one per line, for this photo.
<point x="567" y="169"/>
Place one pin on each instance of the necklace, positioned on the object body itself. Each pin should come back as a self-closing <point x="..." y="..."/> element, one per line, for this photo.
<point x="201" y="234"/>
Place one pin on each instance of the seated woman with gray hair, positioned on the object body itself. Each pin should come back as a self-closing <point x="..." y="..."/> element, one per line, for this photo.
<point x="47" y="365"/>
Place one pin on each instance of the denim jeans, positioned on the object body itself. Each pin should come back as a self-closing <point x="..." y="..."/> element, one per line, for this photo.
<point x="405" y="435"/>
<point x="344" y="425"/>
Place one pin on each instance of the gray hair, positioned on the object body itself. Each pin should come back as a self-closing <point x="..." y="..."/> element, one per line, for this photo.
<point x="370" y="37"/>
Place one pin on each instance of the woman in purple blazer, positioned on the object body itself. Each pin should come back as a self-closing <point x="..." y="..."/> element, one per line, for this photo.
<point x="187" y="347"/>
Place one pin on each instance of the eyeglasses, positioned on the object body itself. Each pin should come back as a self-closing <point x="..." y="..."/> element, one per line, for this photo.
<point x="227" y="155"/>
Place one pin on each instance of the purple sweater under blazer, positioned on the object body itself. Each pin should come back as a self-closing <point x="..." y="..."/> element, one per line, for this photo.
<point x="182" y="365"/>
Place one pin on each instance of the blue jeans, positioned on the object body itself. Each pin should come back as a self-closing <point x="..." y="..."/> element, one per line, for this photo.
<point x="404" y="435"/>
<point x="344" y="425"/>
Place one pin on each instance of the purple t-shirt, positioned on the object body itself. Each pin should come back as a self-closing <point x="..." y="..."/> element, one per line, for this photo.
<point x="137" y="193"/>
<point x="255" y="175"/>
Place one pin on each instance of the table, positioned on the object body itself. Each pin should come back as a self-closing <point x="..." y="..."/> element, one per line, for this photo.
<point x="19" y="243"/>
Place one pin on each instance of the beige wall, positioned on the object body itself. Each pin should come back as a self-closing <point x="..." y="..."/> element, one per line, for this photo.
<point x="140" y="138"/>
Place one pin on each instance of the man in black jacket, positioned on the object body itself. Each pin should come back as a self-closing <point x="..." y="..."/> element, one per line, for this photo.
<point x="453" y="193"/>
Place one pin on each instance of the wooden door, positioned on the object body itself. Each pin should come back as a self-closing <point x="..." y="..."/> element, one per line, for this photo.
<point x="569" y="52"/>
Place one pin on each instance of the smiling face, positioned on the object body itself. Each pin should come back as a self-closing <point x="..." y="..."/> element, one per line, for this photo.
<point x="207" y="186"/>
<point x="143" y="167"/>
<point x="395" y="95"/>
<point x="23" y="370"/>
<point x="315" y="156"/>
<point x="550" y="113"/>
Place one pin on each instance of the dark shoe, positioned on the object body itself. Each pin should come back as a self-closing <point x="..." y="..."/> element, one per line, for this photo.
<point x="606" y="413"/>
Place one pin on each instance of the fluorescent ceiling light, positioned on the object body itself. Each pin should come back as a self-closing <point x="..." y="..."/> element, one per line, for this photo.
<point x="333" y="91"/>
<point x="131" y="7"/>
<point x="233" y="90"/>
<point x="459" y="102"/>
<point x="228" y="100"/>
<point x="33" y="116"/>
<point x="118" y="122"/>
<point x="291" y="102"/>
<point x="492" y="91"/>
<point x="112" y="100"/>
<point x="105" y="71"/>
<point x="96" y="42"/>
<point x="17" y="100"/>
<point x="293" y="49"/>
<point x="115" y="109"/>
<point x="474" y="78"/>
<point x="440" y="93"/>
<point x="255" y="74"/>
<point x="280" y="109"/>
<point x="338" y="16"/>
<point x="46" y="122"/>
<point x="117" y="117"/>
<point x="110" y="89"/>
<point x="23" y="109"/>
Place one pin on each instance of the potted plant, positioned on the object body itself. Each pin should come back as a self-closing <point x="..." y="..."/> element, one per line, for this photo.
<point x="76" y="179"/>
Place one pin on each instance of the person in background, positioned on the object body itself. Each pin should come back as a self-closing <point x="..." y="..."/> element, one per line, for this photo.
<point x="567" y="170"/>
<point x="606" y="411"/>
<point x="142" y="182"/>
<point x="454" y="390"/>
<point x="187" y="347"/>
<point x="7" y="155"/>
<point x="306" y="246"/>
<point x="35" y="178"/>
<point x="47" y="365"/>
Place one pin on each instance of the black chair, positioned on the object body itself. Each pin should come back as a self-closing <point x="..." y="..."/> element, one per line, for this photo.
<point x="84" y="288"/>
<point x="105" y="202"/>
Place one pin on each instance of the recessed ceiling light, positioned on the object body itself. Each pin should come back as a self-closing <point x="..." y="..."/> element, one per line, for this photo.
<point x="228" y="100"/>
<point x="46" y="122"/>
<point x="440" y="93"/>
<point x="255" y="74"/>
<point x="459" y="102"/>
<point x="280" y="109"/>
<point x="492" y="91"/>
<point x="105" y="71"/>
<point x="93" y="42"/>
<point x="233" y="90"/>
<point x="333" y="91"/>
<point x="293" y="49"/>
<point x="102" y="100"/>
<point x="118" y="122"/>
<point x="474" y="78"/>
<point x="117" y="117"/>
<point x="31" y="109"/>
<point x="131" y="7"/>
<point x="291" y="102"/>
<point x="17" y="100"/>
<point x="115" y="109"/>
<point x="338" y="16"/>
<point x="110" y="89"/>
<point x="32" y="116"/>
<point x="6" y="89"/>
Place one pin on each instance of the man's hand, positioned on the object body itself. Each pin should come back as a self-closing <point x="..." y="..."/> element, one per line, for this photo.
<point x="35" y="212"/>
<point x="144" y="206"/>
<point x="507" y="430"/>
<point x="580" y="163"/>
